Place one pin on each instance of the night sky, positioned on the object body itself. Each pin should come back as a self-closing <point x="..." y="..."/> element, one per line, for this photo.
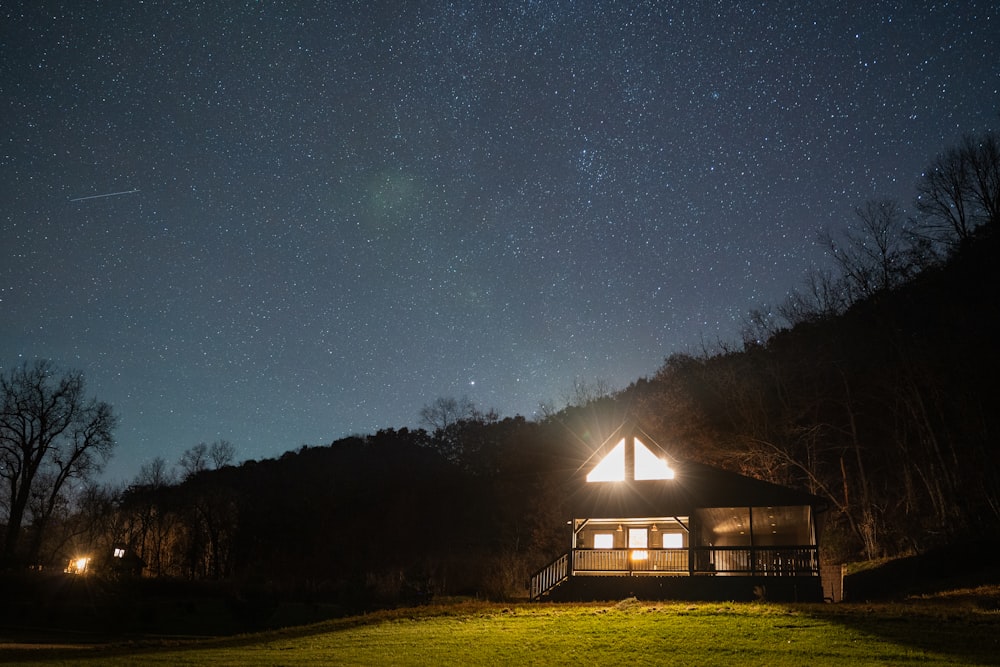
<point x="320" y="217"/>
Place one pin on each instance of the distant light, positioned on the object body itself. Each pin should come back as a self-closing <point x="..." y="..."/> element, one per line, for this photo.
<point x="78" y="565"/>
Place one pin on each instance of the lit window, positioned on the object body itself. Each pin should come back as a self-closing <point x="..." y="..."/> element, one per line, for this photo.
<point x="638" y="538"/>
<point x="673" y="540"/>
<point x="648" y="465"/>
<point x="638" y="541"/>
<point x="612" y="467"/>
<point x="119" y="553"/>
<point x="604" y="541"/>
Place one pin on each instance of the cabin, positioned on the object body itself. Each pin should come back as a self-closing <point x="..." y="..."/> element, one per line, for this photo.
<point x="647" y="525"/>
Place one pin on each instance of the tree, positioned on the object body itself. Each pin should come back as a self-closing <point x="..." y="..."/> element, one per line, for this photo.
<point x="960" y="191"/>
<point x="875" y="254"/>
<point x="50" y="434"/>
<point x="201" y="457"/>
<point x="445" y="411"/>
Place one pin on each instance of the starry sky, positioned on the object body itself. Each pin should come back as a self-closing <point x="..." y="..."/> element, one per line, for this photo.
<point x="281" y="223"/>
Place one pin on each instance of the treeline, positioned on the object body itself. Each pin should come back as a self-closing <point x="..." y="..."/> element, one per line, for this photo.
<point x="888" y="411"/>
<point x="395" y="515"/>
<point x="873" y="387"/>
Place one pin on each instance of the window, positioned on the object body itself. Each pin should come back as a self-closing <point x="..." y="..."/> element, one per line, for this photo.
<point x="647" y="465"/>
<point x="638" y="538"/>
<point x="723" y="526"/>
<point x="673" y="540"/>
<point x="604" y="540"/>
<point x="611" y="468"/>
<point x="638" y="541"/>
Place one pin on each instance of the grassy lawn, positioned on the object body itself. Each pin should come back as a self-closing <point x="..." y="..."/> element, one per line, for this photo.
<point x="953" y="631"/>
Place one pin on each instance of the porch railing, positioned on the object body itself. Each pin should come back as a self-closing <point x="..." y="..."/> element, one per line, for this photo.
<point x="761" y="561"/>
<point x="550" y="576"/>
<point x="727" y="561"/>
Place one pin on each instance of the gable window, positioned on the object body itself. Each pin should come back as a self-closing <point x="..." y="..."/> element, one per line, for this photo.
<point x="611" y="468"/>
<point x="648" y="465"/>
<point x="645" y="464"/>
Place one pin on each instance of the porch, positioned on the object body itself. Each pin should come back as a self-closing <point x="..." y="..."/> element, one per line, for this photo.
<point x="758" y="562"/>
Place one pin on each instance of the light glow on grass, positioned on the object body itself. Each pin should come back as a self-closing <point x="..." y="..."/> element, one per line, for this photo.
<point x="626" y="632"/>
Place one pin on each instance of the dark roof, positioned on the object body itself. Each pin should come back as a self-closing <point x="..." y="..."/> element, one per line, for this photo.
<point x="695" y="485"/>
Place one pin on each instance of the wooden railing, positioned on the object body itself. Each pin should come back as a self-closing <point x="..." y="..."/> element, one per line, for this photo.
<point x="630" y="560"/>
<point x="732" y="561"/>
<point x="550" y="576"/>
<point x="766" y="561"/>
<point x="760" y="561"/>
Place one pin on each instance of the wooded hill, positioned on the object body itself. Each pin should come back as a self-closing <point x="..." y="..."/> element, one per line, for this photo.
<point x="874" y="388"/>
<point x="887" y="410"/>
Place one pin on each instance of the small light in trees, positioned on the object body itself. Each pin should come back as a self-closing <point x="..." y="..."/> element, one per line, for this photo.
<point x="78" y="565"/>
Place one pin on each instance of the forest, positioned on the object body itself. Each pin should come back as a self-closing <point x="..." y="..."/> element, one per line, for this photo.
<point x="873" y="386"/>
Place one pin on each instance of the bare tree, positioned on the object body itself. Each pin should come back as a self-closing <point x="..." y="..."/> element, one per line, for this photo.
<point x="155" y="474"/>
<point x="49" y="434"/>
<point x="149" y="521"/>
<point x="960" y="191"/>
<point x="194" y="460"/>
<point x="201" y="457"/>
<point x="823" y="296"/>
<point x="984" y="165"/>
<point x="222" y="453"/>
<point x="444" y="412"/>
<point x="875" y="253"/>
<point x="584" y="392"/>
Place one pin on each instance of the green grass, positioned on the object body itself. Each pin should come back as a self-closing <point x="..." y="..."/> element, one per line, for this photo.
<point x="938" y="631"/>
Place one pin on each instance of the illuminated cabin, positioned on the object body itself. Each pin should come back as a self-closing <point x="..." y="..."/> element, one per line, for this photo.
<point x="647" y="525"/>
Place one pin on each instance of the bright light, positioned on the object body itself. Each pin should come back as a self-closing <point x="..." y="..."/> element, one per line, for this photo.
<point x="673" y="541"/>
<point x="648" y="465"/>
<point x="640" y="555"/>
<point x="612" y="467"/>
<point x="604" y="541"/>
<point x="78" y="565"/>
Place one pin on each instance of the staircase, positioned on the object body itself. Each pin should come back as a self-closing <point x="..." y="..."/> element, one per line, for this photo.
<point x="550" y="576"/>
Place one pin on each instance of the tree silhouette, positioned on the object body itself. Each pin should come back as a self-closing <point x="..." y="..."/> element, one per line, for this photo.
<point x="49" y="434"/>
<point x="960" y="191"/>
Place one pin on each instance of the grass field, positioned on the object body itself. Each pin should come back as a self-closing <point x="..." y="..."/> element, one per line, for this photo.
<point x="961" y="627"/>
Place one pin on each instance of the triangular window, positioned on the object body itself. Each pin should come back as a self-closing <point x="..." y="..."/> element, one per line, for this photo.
<point x="611" y="468"/>
<point x="647" y="465"/>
